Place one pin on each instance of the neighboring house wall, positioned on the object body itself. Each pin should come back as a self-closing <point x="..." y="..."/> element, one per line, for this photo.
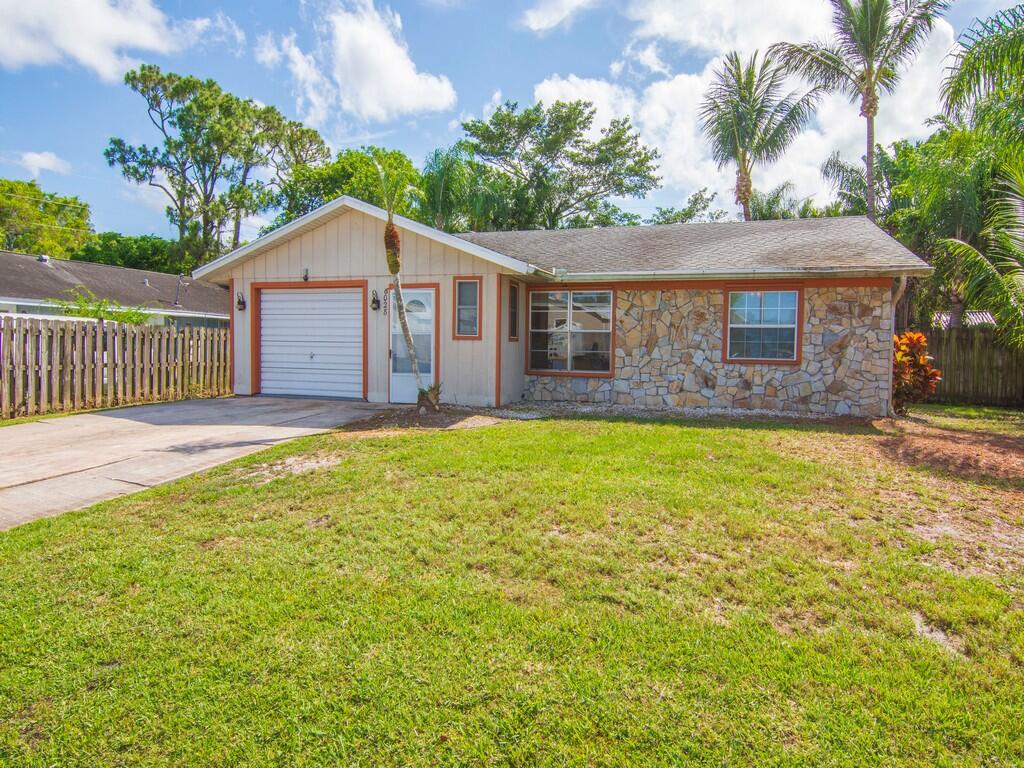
<point x="668" y="352"/>
<point x="351" y="247"/>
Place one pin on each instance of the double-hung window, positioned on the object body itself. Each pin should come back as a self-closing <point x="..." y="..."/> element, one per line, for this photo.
<point x="763" y="325"/>
<point x="467" y="307"/>
<point x="570" y="332"/>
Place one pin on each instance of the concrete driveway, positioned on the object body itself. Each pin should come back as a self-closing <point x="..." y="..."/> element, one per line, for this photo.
<point x="56" y="465"/>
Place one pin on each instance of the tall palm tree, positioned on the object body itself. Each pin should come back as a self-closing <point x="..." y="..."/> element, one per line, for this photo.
<point x="445" y="183"/>
<point x="987" y="73"/>
<point x="872" y="41"/>
<point x="397" y="179"/>
<point x="993" y="278"/>
<point x="749" y="120"/>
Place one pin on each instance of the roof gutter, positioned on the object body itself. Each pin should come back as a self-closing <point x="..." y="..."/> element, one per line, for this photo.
<point x="573" y="277"/>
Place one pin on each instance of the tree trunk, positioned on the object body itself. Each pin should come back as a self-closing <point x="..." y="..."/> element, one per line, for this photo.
<point x="403" y="321"/>
<point x="868" y="110"/>
<point x="393" y="250"/>
<point x="237" y="232"/>
<point x="956" y="311"/>
<point x="744" y="191"/>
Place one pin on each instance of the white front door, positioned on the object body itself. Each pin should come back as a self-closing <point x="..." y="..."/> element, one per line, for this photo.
<point x="420" y="310"/>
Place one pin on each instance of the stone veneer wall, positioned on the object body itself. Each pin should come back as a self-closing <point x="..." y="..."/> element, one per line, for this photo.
<point x="669" y="354"/>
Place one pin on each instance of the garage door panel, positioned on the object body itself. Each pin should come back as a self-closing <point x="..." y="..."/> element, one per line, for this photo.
<point x="311" y="342"/>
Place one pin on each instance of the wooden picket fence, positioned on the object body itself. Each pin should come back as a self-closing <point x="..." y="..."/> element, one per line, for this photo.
<point x="976" y="368"/>
<point x="70" y="365"/>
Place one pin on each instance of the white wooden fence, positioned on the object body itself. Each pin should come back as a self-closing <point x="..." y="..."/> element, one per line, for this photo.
<point x="68" y="365"/>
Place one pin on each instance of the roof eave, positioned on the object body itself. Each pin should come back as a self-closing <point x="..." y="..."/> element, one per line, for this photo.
<point x="345" y="202"/>
<point x="758" y="274"/>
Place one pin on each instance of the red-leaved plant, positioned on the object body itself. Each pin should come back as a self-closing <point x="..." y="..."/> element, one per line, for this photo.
<point x="913" y="378"/>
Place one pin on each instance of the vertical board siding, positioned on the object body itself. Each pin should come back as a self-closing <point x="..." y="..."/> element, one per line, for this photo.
<point x="976" y="369"/>
<point x="65" y="365"/>
<point x="351" y="247"/>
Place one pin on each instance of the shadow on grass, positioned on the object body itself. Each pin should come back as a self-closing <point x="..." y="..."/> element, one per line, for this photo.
<point x="974" y="455"/>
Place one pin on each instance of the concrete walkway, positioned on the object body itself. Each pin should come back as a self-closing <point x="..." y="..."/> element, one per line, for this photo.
<point x="56" y="465"/>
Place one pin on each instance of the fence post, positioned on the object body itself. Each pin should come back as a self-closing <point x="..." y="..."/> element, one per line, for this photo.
<point x="44" y="367"/>
<point x="6" y="367"/>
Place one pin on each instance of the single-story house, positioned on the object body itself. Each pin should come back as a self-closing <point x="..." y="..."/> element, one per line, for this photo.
<point x="785" y="315"/>
<point x="34" y="286"/>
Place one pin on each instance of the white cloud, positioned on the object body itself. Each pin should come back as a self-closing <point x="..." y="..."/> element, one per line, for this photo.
<point x="266" y="51"/>
<point x="314" y="90"/>
<point x="359" y="65"/>
<point x="219" y="30"/>
<point x="492" y="104"/>
<point x="101" y="35"/>
<point x="375" y="76"/>
<point x="666" y="114"/>
<point x="713" y="28"/>
<point x="37" y="162"/>
<point x="642" y="60"/>
<point x="548" y="14"/>
<point x="609" y="100"/>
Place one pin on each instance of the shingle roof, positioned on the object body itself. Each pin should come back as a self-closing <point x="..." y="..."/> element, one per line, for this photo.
<point x="28" y="277"/>
<point x="850" y="245"/>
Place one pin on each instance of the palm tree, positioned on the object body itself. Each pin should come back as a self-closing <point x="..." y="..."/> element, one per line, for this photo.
<point x="397" y="179"/>
<point x="994" y="279"/>
<point x="445" y="183"/>
<point x="873" y="40"/>
<point x="987" y="73"/>
<point x="748" y="120"/>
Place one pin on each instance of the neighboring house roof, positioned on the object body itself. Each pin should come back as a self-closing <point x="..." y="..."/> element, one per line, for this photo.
<point x="850" y="245"/>
<point x="342" y="205"/>
<point x="23" y="276"/>
<point x="971" y="319"/>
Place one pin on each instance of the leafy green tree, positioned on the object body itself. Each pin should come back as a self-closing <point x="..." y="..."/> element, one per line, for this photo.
<point x="446" y="183"/>
<point x="872" y="41"/>
<point x="353" y="172"/>
<point x="603" y="214"/>
<point x="553" y="172"/>
<point x="748" y="120"/>
<point x="849" y="181"/>
<point x="210" y="144"/>
<point x="987" y="74"/>
<point x="85" y="303"/>
<point x="992" y="277"/>
<point x="697" y="209"/>
<point x="136" y="252"/>
<point x="34" y="221"/>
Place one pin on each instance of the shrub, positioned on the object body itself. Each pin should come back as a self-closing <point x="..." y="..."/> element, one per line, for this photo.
<point x="913" y="378"/>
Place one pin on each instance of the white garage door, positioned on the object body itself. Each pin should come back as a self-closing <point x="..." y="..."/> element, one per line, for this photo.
<point x="311" y="342"/>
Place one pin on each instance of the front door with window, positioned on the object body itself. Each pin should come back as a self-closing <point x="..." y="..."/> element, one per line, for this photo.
<point x="420" y="309"/>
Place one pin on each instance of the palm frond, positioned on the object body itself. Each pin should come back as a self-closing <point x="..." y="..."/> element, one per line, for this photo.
<point x="821" y="64"/>
<point x="994" y="280"/>
<point x="989" y="62"/>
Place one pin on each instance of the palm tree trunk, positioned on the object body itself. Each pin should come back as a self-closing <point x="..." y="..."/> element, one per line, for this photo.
<point x="869" y="162"/>
<point x="403" y="321"/>
<point x="744" y="190"/>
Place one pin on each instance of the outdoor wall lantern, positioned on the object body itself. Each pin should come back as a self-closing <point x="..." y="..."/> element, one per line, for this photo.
<point x="240" y="302"/>
<point x="305" y="275"/>
<point x="374" y="301"/>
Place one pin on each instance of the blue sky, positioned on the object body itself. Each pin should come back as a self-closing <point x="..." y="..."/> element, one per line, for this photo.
<point x="404" y="74"/>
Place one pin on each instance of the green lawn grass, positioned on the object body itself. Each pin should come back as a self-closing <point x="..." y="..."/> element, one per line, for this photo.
<point x="572" y="592"/>
<point x="1006" y="421"/>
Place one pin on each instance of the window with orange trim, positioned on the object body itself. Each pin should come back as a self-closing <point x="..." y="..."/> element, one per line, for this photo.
<point x="570" y="331"/>
<point x="467" y="308"/>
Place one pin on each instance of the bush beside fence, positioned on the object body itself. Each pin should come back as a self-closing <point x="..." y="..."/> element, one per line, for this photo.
<point x="976" y="369"/>
<point x="69" y="365"/>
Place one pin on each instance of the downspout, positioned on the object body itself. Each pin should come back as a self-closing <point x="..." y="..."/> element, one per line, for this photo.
<point x="901" y="288"/>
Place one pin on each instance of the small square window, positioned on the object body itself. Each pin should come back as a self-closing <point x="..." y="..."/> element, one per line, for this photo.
<point x="763" y="325"/>
<point x="467" y="308"/>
